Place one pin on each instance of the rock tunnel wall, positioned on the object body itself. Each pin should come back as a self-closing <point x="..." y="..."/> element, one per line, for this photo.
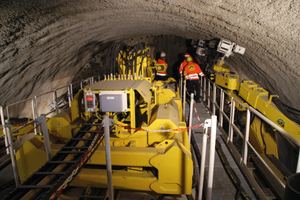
<point x="44" y="44"/>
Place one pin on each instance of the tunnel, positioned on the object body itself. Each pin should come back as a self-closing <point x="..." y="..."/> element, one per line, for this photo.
<point x="46" y="44"/>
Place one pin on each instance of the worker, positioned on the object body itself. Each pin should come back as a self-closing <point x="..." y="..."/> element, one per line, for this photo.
<point x="184" y="63"/>
<point x="162" y="74"/>
<point x="192" y="71"/>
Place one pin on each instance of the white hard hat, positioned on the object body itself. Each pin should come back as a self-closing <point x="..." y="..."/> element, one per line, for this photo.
<point x="162" y="54"/>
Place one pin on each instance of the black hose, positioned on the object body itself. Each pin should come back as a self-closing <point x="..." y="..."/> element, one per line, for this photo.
<point x="232" y="175"/>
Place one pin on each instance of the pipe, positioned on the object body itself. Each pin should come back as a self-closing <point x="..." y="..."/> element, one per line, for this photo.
<point x="108" y="156"/>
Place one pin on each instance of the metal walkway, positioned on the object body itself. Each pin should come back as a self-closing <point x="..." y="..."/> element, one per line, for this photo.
<point x="223" y="187"/>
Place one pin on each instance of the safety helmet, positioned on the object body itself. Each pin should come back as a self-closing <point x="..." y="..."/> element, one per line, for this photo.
<point x="162" y="54"/>
<point x="189" y="59"/>
<point x="186" y="55"/>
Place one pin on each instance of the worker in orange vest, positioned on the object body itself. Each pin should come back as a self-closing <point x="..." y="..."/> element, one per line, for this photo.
<point x="184" y="63"/>
<point x="162" y="75"/>
<point x="192" y="71"/>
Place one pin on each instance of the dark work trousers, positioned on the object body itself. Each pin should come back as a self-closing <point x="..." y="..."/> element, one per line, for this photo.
<point x="160" y="78"/>
<point x="194" y="85"/>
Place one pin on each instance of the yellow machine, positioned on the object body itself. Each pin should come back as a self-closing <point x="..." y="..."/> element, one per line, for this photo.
<point x="247" y="91"/>
<point x="149" y="142"/>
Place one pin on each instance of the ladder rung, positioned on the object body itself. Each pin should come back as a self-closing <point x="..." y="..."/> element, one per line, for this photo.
<point x="83" y="147"/>
<point x="61" y="162"/>
<point x="71" y="152"/>
<point x="82" y="139"/>
<point x="49" y="173"/>
<point x="35" y="186"/>
<point x="92" y="197"/>
<point x="86" y="131"/>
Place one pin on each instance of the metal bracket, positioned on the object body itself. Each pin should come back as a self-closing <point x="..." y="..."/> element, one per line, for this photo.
<point x="110" y="122"/>
<point x="207" y="123"/>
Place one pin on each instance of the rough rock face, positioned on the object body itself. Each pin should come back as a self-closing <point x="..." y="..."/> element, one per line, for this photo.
<point x="43" y="44"/>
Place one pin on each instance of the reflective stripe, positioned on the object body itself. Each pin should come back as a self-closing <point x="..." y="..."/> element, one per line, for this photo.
<point x="192" y="77"/>
<point x="201" y="74"/>
<point x="161" y="74"/>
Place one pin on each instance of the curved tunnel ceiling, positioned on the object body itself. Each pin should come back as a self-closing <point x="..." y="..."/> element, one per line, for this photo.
<point x="45" y="43"/>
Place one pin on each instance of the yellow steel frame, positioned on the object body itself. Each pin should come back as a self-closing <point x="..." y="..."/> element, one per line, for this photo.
<point x="259" y="99"/>
<point x="138" y="152"/>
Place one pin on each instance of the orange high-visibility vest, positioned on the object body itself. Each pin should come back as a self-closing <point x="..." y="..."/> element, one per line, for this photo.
<point x="192" y="70"/>
<point x="162" y="73"/>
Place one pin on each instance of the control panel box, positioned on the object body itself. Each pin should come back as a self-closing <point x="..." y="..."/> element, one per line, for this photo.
<point x="113" y="101"/>
<point x="90" y="101"/>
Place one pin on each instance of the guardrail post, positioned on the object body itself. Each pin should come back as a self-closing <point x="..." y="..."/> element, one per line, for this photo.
<point x="33" y="116"/>
<point x="46" y="136"/>
<point x="71" y="90"/>
<point x="180" y="86"/>
<point x="37" y="112"/>
<point x="207" y="124"/>
<point x="54" y="100"/>
<point x="246" y="137"/>
<point x="69" y="96"/>
<point x="108" y="157"/>
<point x="12" y="155"/>
<point x="214" y="98"/>
<point x="298" y="164"/>
<point x="7" y="112"/>
<point x="201" y="86"/>
<point x="4" y="130"/>
<point x="191" y="117"/>
<point x="221" y="108"/>
<point x="204" y="91"/>
<point x="211" y="164"/>
<point x="184" y="97"/>
<point x="231" y="121"/>
<point x="208" y="95"/>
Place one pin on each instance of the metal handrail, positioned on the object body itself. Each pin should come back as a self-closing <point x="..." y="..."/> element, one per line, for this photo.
<point x="212" y="96"/>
